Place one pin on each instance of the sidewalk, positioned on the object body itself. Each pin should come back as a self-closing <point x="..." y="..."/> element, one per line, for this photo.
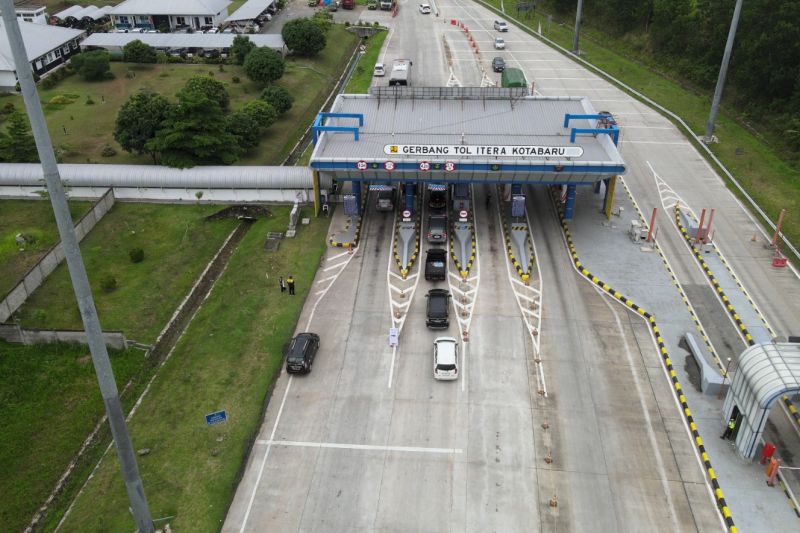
<point x="607" y="252"/>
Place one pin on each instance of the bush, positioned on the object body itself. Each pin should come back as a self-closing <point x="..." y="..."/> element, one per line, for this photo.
<point x="60" y="100"/>
<point x="278" y="97"/>
<point x="175" y="59"/>
<point x="138" y="52"/>
<point x="93" y="66"/>
<point x="49" y="82"/>
<point x="108" y="283"/>
<point x="108" y="151"/>
<point x="236" y="79"/>
<point x="136" y="255"/>
<point x="161" y="57"/>
<point x="304" y="37"/>
<point x="264" y="65"/>
<point x="89" y="100"/>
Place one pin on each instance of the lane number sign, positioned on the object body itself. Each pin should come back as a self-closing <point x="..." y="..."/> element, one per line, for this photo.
<point x="449" y="166"/>
<point x="361" y="165"/>
<point x="389" y="165"/>
<point x="424" y="166"/>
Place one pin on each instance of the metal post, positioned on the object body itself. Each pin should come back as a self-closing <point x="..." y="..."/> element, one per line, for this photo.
<point x="708" y="228"/>
<point x="774" y="242"/>
<point x="724" y="377"/>
<point x="652" y="224"/>
<point x="723" y="71"/>
<point x="77" y="272"/>
<point x="698" y="237"/>
<point x="576" y="40"/>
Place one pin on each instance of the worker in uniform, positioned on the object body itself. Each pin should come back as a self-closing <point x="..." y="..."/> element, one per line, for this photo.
<point x="729" y="430"/>
<point x="290" y="283"/>
<point x="282" y="284"/>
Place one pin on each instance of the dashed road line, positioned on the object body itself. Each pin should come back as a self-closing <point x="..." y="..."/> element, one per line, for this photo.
<point x="365" y="447"/>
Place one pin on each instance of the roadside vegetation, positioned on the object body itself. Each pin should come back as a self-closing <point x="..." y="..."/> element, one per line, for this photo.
<point x="759" y="145"/>
<point x="362" y="76"/>
<point x="227" y="359"/>
<point x="51" y="403"/>
<point x="176" y="243"/>
<point x="34" y="220"/>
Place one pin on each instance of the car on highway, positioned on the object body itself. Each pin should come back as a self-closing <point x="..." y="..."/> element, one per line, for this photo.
<point x="379" y="70"/>
<point x="436" y="264"/>
<point x="438" y="199"/>
<point x="437" y="310"/>
<point x="385" y="200"/>
<point x="500" y="25"/>
<point x="445" y="358"/>
<point x="301" y="352"/>
<point x="437" y="228"/>
<point x="499" y="43"/>
<point x="498" y="64"/>
<point x="425" y="9"/>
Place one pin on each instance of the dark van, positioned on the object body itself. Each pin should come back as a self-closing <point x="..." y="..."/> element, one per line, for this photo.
<point x="438" y="309"/>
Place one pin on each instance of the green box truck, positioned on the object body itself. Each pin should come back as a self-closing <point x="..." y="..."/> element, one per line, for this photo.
<point x="513" y="77"/>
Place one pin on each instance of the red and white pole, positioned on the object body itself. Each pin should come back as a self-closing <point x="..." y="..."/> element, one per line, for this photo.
<point x="708" y="229"/>
<point x="699" y="236"/>
<point x="778" y="229"/>
<point x="652" y="224"/>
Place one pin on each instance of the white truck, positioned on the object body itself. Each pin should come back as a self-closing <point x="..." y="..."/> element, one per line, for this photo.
<point x="387" y="5"/>
<point x="401" y="72"/>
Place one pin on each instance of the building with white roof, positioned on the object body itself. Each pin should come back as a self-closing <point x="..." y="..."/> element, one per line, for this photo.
<point x="177" y="14"/>
<point x="28" y="12"/>
<point x="115" y="42"/>
<point x="47" y="48"/>
<point x="83" y="16"/>
<point x="250" y="11"/>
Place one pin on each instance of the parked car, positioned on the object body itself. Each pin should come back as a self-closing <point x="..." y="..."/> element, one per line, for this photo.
<point x="372" y="4"/>
<point x="313" y="3"/>
<point x="437" y="228"/>
<point x="437" y="199"/>
<point x="499" y="43"/>
<point x="498" y="64"/>
<point x="500" y="25"/>
<point x="436" y="264"/>
<point x="333" y="6"/>
<point x="425" y="9"/>
<point x="445" y="358"/>
<point x="379" y="70"/>
<point x="301" y="353"/>
<point x="437" y="310"/>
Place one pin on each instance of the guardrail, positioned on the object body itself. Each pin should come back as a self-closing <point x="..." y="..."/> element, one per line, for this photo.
<point x="692" y="137"/>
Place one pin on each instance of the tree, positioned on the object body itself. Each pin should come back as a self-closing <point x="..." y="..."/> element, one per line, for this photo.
<point x="242" y="45"/>
<point x="303" y="37"/>
<point x="18" y="145"/>
<point x="208" y="87"/>
<point x="264" y="65"/>
<point x="93" y="66"/>
<point x="187" y="136"/>
<point x="138" y="52"/>
<point x="246" y="129"/>
<point x="139" y="119"/>
<point x="278" y="97"/>
<point x="262" y="112"/>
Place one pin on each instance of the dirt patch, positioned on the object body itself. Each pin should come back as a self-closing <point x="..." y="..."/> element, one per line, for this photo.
<point x="239" y="212"/>
<point x="84" y="360"/>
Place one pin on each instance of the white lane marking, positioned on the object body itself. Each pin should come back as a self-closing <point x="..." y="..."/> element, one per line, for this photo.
<point x="337" y="256"/>
<point x="391" y="367"/>
<point x="323" y="280"/>
<point x="368" y="447"/>
<point x="651" y="436"/>
<point x="386" y="45"/>
<point x="266" y="455"/>
<point x="676" y="143"/>
<point x="337" y="265"/>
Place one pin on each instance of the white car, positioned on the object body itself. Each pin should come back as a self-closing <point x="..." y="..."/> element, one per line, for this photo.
<point x="379" y="70"/>
<point x="499" y="43"/>
<point x="445" y="358"/>
<point x="425" y="9"/>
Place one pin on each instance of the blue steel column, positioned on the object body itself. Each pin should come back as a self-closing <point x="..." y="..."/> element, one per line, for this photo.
<point x="570" y="205"/>
<point x="357" y="193"/>
<point x="410" y="196"/>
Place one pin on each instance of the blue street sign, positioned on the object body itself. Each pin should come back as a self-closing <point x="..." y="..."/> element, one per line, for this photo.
<point x="216" y="418"/>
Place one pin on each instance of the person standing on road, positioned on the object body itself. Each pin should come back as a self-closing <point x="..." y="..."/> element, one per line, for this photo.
<point x="729" y="430"/>
<point x="290" y="283"/>
<point x="282" y="284"/>
<point x="488" y="199"/>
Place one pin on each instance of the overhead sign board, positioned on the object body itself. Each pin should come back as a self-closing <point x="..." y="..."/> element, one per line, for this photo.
<point x="481" y="150"/>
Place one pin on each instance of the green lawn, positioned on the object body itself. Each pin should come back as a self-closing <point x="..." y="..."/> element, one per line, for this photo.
<point x="362" y="77"/>
<point x="80" y="131"/>
<point x="771" y="182"/>
<point x="177" y="243"/>
<point x="226" y="360"/>
<point x="51" y="403"/>
<point x="30" y="217"/>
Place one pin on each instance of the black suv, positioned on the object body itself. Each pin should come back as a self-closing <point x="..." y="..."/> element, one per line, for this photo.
<point x="498" y="64"/>
<point x="301" y="352"/>
<point x="436" y="264"/>
<point x="438" y="199"/>
<point x="438" y="309"/>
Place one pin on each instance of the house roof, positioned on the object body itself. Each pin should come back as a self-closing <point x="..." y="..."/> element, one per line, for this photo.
<point x="68" y="12"/>
<point x="250" y="10"/>
<point x="180" y="40"/>
<point x="39" y="39"/>
<point x="173" y="7"/>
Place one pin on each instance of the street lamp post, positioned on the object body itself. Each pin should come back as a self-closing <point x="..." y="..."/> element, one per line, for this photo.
<point x="723" y="72"/>
<point x="576" y="40"/>
<point x="724" y="377"/>
<point x="77" y="272"/>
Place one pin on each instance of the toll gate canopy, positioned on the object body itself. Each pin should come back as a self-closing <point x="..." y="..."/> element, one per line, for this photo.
<point x="465" y="134"/>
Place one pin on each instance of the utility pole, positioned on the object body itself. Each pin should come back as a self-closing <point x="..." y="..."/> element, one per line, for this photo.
<point x="723" y="71"/>
<point x="77" y="272"/>
<point x="576" y="49"/>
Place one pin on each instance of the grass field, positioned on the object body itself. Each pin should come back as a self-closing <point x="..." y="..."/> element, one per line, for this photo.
<point x="30" y="217"/>
<point x="177" y="243"/>
<point x="226" y="360"/>
<point x="51" y="402"/>
<point x="89" y="127"/>
<point x="362" y="77"/>
<point x="770" y="181"/>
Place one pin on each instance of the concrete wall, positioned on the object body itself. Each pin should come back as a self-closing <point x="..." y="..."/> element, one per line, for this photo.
<point x="13" y="333"/>
<point x="39" y="272"/>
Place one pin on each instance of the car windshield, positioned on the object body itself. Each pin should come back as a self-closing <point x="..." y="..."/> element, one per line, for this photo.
<point x="446" y="368"/>
<point x="437" y="263"/>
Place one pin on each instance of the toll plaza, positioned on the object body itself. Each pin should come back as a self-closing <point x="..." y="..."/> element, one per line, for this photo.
<point x="419" y="136"/>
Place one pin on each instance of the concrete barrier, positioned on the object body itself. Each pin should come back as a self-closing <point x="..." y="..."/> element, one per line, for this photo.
<point x="39" y="272"/>
<point x="14" y="333"/>
<point x="711" y="382"/>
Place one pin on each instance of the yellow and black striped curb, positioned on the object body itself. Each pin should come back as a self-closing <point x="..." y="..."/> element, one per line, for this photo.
<point x="792" y="409"/>
<point x="463" y="269"/>
<point x="710" y="275"/>
<point x="698" y="441"/>
<point x="356" y="236"/>
<point x="399" y="260"/>
<point x="789" y="497"/>
<point x="510" y="249"/>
